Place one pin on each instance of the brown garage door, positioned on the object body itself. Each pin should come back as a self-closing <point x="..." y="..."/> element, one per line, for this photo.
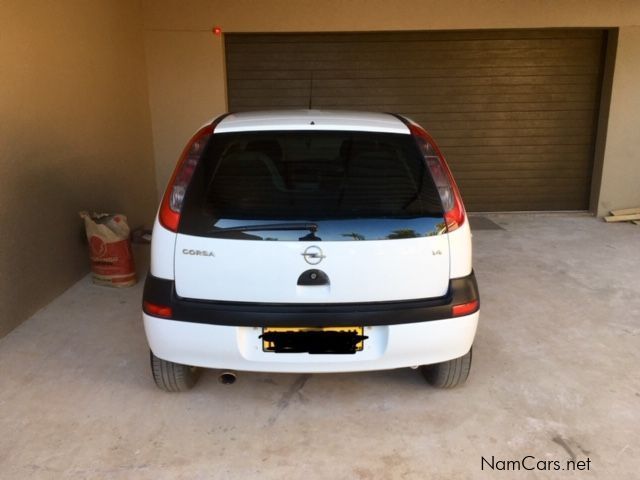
<point x="513" y="110"/>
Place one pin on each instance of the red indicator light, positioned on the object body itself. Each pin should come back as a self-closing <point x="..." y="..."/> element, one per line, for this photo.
<point x="217" y="31"/>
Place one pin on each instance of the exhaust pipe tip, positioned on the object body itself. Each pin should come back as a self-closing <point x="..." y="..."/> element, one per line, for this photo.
<point x="227" y="378"/>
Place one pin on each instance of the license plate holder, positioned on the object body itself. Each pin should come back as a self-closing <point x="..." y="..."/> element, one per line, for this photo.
<point x="313" y="340"/>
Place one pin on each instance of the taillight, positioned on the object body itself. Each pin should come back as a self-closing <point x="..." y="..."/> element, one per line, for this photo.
<point x="452" y="205"/>
<point x="174" y="195"/>
<point x="465" y="308"/>
<point x="157" y="310"/>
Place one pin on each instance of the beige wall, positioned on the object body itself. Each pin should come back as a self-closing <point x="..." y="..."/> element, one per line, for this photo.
<point x="74" y="134"/>
<point x="186" y="67"/>
<point x="186" y="87"/>
<point x="354" y="15"/>
<point x="620" y="187"/>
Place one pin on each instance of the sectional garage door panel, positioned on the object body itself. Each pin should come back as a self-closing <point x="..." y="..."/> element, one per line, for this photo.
<point x="513" y="110"/>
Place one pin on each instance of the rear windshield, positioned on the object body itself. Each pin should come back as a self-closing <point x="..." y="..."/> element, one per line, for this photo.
<point x="310" y="176"/>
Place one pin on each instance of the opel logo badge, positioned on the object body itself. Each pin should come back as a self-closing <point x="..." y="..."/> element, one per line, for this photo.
<point x="313" y="255"/>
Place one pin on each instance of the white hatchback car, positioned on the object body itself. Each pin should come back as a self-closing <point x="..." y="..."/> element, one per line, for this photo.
<point x="310" y="241"/>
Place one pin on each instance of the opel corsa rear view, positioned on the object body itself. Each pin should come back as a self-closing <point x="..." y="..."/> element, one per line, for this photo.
<point x="310" y="241"/>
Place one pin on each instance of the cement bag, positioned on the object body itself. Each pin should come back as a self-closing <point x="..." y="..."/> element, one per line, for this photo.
<point x="110" y="249"/>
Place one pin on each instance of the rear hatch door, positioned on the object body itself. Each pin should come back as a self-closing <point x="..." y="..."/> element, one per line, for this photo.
<point x="311" y="217"/>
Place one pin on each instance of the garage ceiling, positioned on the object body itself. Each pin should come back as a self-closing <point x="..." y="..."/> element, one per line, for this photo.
<point x="513" y="110"/>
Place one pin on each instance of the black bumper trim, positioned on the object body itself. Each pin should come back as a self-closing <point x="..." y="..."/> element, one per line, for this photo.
<point x="245" y="314"/>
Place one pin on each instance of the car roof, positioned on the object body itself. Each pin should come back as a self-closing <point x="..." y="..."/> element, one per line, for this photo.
<point x="311" y="120"/>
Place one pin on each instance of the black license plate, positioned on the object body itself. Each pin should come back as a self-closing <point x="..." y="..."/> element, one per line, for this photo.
<point x="320" y="340"/>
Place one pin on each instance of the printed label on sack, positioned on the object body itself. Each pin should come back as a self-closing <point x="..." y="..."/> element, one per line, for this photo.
<point x="111" y="258"/>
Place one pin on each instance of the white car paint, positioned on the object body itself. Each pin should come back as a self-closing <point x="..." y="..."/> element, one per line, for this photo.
<point x="460" y="251"/>
<point x="162" y="251"/>
<point x="311" y="120"/>
<point x="267" y="272"/>
<point x="239" y="348"/>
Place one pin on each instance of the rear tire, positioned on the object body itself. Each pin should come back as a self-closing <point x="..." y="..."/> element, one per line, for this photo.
<point x="173" y="377"/>
<point x="449" y="374"/>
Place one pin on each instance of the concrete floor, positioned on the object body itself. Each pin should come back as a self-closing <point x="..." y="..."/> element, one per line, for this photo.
<point x="555" y="375"/>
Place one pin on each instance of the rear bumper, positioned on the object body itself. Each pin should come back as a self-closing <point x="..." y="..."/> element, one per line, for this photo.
<point x="226" y="335"/>
<point x="241" y="314"/>
<point x="240" y="348"/>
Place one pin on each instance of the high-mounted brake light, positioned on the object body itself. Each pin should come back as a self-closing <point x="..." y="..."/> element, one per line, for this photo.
<point x="174" y="194"/>
<point x="454" y="213"/>
<point x="157" y="310"/>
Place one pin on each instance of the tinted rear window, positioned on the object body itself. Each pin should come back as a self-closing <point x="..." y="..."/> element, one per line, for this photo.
<point x="311" y="176"/>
